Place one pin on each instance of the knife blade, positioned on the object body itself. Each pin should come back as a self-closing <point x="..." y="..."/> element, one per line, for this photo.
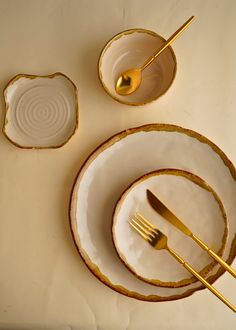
<point x="160" y="208"/>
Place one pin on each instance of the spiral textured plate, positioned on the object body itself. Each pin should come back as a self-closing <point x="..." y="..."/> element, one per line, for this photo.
<point x="41" y="111"/>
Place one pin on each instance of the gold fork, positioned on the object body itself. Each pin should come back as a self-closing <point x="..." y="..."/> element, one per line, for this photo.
<point x="159" y="241"/>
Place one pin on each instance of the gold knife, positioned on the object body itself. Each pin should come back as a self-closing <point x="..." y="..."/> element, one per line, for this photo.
<point x="160" y="208"/>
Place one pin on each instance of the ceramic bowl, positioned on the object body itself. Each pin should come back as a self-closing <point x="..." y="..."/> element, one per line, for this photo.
<point x="130" y="49"/>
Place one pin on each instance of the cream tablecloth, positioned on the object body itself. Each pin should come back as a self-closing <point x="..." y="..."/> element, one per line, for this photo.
<point x="43" y="282"/>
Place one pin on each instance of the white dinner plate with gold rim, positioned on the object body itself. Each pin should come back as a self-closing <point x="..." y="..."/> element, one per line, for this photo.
<point x="194" y="202"/>
<point x="41" y="111"/>
<point x="118" y="162"/>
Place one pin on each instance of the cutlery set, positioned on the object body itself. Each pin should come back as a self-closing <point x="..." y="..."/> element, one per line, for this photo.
<point x="159" y="241"/>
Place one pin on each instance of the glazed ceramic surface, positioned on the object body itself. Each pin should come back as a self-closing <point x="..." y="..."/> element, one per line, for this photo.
<point x="117" y="163"/>
<point x="130" y="49"/>
<point x="194" y="202"/>
<point x="41" y="111"/>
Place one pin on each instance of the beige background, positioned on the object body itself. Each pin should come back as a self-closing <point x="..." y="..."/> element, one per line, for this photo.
<point x="43" y="282"/>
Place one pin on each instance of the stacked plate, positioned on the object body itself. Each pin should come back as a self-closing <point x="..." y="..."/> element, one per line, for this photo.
<point x="190" y="174"/>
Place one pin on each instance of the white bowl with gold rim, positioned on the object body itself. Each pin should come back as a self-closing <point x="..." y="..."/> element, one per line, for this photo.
<point x="130" y="49"/>
<point x="41" y="111"/>
<point x="204" y="215"/>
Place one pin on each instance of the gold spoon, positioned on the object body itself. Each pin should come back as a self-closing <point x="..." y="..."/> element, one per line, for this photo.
<point x="129" y="81"/>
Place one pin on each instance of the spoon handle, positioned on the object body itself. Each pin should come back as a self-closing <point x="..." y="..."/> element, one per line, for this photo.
<point x="167" y="43"/>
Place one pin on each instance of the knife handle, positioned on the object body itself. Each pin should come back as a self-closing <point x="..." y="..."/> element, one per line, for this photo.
<point x="202" y="280"/>
<point x="214" y="256"/>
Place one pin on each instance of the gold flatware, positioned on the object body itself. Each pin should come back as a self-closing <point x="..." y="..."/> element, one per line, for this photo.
<point x="160" y="208"/>
<point x="159" y="241"/>
<point x="129" y="81"/>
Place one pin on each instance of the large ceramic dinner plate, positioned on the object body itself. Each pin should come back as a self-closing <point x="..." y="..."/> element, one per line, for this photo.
<point x="115" y="165"/>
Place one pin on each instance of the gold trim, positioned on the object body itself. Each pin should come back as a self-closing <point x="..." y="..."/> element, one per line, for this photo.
<point x="29" y="76"/>
<point x="72" y="209"/>
<point x="115" y="38"/>
<point x="198" y="181"/>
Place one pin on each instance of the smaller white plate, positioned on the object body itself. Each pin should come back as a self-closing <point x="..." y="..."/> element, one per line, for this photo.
<point x="41" y="111"/>
<point x="194" y="202"/>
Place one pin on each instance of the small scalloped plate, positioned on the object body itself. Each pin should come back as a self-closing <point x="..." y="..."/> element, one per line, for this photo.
<point x="199" y="207"/>
<point x="41" y="111"/>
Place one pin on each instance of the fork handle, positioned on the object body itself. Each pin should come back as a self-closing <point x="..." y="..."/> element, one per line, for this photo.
<point x="214" y="256"/>
<point x="201" y="279"/>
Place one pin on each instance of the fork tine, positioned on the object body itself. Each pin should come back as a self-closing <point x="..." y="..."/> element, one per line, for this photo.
<point x="145" y="222"/>
<point x="139" y="231"/>
<point x="143" y="228"/>
<point x="144" y="233"/>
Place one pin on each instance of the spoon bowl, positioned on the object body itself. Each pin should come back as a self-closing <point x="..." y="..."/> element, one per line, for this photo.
<point x="129" y="81"/>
